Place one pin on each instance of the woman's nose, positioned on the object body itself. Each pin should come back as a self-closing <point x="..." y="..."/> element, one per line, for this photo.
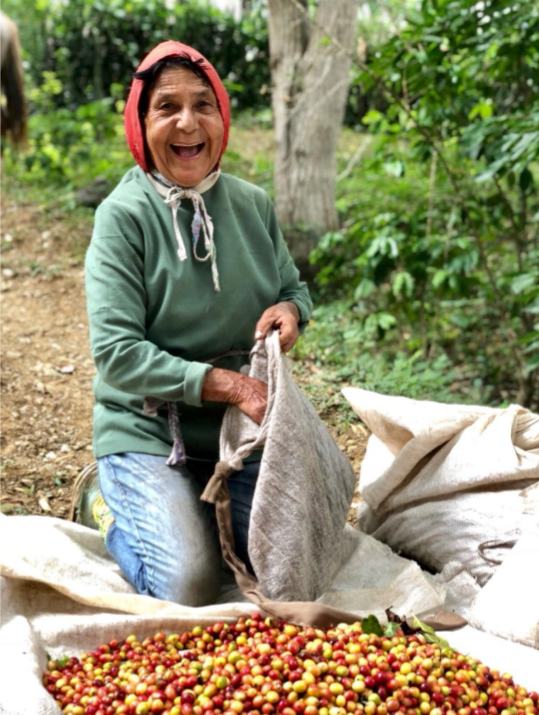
<point x="187" y="120"/>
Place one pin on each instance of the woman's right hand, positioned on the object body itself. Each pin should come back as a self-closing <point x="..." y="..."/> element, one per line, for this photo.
<point x="248" y="394"/>
<point x="253" y="398"/>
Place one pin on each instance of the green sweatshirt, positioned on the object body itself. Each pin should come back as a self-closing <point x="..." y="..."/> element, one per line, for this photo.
<point x="154" y="319"/>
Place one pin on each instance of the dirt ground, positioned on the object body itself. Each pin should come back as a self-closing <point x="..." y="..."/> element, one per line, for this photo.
<point x="47" y="370"/>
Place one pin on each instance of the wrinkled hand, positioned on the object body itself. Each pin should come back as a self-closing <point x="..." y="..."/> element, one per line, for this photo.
<point x="247" y="393"/>
<point x="283" y="317"/>
<point x="253" y="398"/>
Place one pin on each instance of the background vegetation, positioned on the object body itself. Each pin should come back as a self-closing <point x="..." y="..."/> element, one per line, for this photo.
<point x="431" y="287"/>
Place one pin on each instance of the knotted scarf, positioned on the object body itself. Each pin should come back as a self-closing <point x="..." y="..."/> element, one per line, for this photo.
<point x="173" y="196"/>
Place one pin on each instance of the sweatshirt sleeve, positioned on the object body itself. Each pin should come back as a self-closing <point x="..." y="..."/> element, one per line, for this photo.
<point x="116" y="301"/>
<point x="293" y="290"/>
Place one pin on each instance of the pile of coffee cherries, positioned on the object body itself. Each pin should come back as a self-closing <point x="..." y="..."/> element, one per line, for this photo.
<point x="260" y="666"/>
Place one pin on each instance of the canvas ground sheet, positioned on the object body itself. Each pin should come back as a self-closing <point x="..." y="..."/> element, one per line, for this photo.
<point x="63" y="594"/>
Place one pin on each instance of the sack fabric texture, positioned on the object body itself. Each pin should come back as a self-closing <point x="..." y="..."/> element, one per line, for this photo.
<point x="457" y="484"/>
<point x="304" y="488"/>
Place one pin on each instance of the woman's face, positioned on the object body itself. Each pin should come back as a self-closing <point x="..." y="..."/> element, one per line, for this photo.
<point x="184" y="129"/>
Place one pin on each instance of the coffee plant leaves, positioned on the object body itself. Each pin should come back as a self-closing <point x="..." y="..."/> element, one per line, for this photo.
<point x="371" y="624"/>
<point x="91" y="47"/>
<point x="391" y="629"/>
<point x="448" y="248"/>
<point x="434" y="638"/>
<point x="429" y="633"/>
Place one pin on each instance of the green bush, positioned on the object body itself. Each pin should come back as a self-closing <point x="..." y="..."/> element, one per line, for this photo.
<point x="445" y="258"/>
<point x="93" y="47"/>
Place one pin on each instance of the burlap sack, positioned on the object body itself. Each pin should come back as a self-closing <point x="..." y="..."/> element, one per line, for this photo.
<point x="304" y="488"/>
<point x="63" y="594"/>
<point x="454" y="483"/>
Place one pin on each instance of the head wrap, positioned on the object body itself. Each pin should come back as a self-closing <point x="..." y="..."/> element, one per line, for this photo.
<point x="172" y="194"/>
<point x="134" y="131"/>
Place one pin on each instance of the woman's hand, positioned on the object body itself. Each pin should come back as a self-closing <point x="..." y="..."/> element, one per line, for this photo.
<point x="248" y="394"/>
<point x="283" y="317"/>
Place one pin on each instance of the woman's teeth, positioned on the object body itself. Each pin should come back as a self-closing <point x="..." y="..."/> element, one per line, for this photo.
<point x="187" y="151"/>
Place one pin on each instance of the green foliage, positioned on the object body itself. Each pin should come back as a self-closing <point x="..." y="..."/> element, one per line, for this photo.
<point x="429" y="633"/>
<point x="70" y="148"/>
<point x="453" y="272"/>
<point x="391" y="629"/>
<point x="372" y="625"/>
<point x="347" y="349"/>
<point x="94" y="47"/>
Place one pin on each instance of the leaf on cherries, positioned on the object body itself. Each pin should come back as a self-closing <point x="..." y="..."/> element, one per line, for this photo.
<point x="429" y="632"/>
<point x="391" y="629"/>
<point x="372" y="625"/>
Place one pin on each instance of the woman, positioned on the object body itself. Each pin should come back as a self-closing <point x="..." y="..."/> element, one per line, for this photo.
<point x="159" y="310"/>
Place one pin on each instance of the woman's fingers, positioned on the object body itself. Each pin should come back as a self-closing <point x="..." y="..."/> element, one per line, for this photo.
<point x="288" y="332"/>
<point x="283" y="317"/>
<point x="247" y="393"/>
<point x="253" y="399"/>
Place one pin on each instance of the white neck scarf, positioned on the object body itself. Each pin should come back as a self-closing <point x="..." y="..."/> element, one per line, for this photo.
<point x="173" y="196"/>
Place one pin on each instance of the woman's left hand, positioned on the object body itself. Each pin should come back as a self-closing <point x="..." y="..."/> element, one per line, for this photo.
<point x="283" y="317"/>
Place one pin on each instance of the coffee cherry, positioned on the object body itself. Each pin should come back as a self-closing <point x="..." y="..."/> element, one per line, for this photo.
<point x="260" y="666"/>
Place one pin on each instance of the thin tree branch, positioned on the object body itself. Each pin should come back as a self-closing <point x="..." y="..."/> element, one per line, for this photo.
<point x="432" y="182"/>
<point x="356" y="156"/>
<point x="512" y="218"/>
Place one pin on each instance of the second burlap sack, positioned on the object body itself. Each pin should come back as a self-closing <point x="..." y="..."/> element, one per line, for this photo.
<point x="445" y="483"/>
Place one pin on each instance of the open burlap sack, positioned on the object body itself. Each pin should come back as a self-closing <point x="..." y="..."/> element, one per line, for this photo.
<point x="304" y="488"/>
<point x="63" y="594"/>
<point x="452" y="483"/>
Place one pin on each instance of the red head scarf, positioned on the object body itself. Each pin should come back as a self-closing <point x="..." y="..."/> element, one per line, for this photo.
<point x="133" y="129"/>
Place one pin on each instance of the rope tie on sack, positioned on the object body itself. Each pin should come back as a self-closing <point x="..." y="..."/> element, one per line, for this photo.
<point x="202" y="222"/>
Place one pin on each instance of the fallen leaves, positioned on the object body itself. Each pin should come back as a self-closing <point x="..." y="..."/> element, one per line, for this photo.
<point x="44" y="504"/>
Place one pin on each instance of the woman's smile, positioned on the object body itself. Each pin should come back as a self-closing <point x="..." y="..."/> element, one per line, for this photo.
<point x="188" y="151"/>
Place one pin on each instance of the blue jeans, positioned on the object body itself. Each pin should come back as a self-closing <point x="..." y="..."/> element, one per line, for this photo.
<point x="163" y="537"/>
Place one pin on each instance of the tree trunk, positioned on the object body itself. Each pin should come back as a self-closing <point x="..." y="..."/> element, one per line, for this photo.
<point x="310" y="86"/>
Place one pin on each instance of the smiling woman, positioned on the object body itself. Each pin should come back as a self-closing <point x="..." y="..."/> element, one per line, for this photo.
<point x="159" y="313"/>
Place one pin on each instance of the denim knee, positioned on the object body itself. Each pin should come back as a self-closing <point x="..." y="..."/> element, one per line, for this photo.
<point x="162" y="536"/>
<point x="193" y="584"/>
